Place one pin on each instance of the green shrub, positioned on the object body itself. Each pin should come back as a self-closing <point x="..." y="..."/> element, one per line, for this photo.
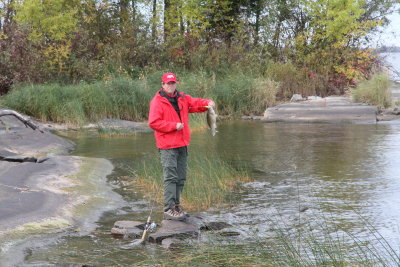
<point x="375" y="91"/>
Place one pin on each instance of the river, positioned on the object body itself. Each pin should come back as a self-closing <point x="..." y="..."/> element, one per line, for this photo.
<point x="344" y="176"/>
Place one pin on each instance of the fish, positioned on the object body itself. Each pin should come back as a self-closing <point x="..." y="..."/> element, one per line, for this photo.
<point x="212" y="120"/>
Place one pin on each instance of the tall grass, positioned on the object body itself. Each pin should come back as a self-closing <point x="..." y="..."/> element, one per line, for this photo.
<point x="209" y="180"/>
<point x="118" y="98"/>
<point x="375" y="91"/>
<point x="124" y="98"/>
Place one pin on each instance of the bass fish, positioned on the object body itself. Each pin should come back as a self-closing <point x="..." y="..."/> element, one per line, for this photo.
<point x="212" y="120"/>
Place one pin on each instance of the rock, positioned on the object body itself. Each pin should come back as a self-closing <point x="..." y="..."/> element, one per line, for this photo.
<point x="303" y="209"/>
<point x="215" y="226"/>
<point x="170" y="243"/>
<point x="128" y="229"/>
<point x="330" y="109"/>
<point x="123" y="125"/>
<point x="313" y="97"/>
<point x="176" y="229"/>
<point x="229" y="233"/>
<point x="72" y="265"/>
<point x="391" y="111"/>
<point x="12" y="157"/>
<point x="296" y="97"/>
<point x="42" y="159"/>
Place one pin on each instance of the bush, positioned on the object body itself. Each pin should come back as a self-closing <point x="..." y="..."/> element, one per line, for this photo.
<point x="375" y="91"/>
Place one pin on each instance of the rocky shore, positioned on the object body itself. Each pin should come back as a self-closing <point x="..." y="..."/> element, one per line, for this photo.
<point x="43" y="189"/>
<point x="332" y="109"/>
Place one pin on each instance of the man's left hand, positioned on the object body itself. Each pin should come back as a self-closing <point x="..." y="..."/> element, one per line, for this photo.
<point x="211" y="104"/>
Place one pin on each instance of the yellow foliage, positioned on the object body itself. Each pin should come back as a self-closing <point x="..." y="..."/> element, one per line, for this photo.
<point x="57" y="54"/>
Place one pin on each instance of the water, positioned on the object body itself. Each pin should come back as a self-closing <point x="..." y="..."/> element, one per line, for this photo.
<point x="393" y="60"/>
<point x="304" y="175"/>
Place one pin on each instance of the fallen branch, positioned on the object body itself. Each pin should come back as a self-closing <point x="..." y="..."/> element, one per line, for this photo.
<point x="26" y="120"/>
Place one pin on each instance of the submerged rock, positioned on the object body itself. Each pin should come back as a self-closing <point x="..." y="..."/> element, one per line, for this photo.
<point x="215" y="226"/>
<point x="170" y="243"/>
<point x="229" y="233"/>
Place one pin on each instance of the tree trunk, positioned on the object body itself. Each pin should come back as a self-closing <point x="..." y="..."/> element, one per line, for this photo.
<point x="167" y="18"/>
<point x="257" y="23"/>
<point x="154" y="22"/>
<point x="9" y="15"/>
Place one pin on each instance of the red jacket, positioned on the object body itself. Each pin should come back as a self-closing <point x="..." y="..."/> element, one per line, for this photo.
<point x="163" y="119"/>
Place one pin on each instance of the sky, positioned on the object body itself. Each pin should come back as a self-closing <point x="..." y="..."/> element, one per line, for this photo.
<point x="391" y="33"/>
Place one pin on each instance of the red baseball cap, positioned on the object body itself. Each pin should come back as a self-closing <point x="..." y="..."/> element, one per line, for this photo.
<point x="168" y="77"/>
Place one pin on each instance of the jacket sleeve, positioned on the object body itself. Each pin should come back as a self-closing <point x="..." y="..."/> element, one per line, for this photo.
<point x="197" y="104"/>
<point x="156" y="121"/>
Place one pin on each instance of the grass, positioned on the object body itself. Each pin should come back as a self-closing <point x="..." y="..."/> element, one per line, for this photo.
<point x="209" y="180"/>
<point x="375" y="91"/>
<point x="317" y="242"/>
<point x="127" y="99"/>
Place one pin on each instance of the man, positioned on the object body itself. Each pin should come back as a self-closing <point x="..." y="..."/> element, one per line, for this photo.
<point x="169" y="118"/>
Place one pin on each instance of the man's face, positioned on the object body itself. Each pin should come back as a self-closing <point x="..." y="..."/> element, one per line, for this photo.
<point x="169" y="87"/>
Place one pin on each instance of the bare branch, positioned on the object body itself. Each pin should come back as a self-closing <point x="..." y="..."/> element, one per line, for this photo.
<point x="26" y="120"/>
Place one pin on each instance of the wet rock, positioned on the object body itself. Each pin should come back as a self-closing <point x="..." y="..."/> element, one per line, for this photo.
<point x="176" y="229"/>
<point x="303" y="209"/>
<point x="215" y="226"/>
<point x="128" y="229"/>
<point x="169" y="243"/>
<point x="196" y="220"/>
<point x="72" y="265"/>
<point x="229" y="233"/>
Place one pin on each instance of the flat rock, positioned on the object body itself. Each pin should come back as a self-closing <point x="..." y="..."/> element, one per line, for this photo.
<point x="123" y="124"/>
<point x="175" y="229"/>
<point x="329" y="109"/>
<point x="128" y="229"/>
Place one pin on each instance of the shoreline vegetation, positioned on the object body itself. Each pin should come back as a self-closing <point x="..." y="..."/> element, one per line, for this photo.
<point x="127" y="99"/>
<point x="216" y="178"/>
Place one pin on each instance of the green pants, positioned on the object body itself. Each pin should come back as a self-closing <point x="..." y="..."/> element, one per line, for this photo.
<point x="174" y="163"/>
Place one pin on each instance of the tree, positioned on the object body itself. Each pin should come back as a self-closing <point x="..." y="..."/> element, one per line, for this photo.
<point x="51" y="24"/>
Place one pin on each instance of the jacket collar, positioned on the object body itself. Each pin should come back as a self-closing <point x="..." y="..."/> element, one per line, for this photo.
<point x="179" y="94"/>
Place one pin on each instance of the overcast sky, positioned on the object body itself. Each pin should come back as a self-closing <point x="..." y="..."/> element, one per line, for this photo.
<point x="391" y="34"/>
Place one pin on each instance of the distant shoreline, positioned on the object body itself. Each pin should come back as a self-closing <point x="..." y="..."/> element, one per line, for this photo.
<point x="388" y="49"/>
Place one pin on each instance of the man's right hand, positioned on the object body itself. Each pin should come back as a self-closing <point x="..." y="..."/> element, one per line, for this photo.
<point x="179" y="126"/>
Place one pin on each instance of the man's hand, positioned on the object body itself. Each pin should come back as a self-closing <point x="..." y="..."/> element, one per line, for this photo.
<point x="211" y="104"/>
<point x="179" y="126"/>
